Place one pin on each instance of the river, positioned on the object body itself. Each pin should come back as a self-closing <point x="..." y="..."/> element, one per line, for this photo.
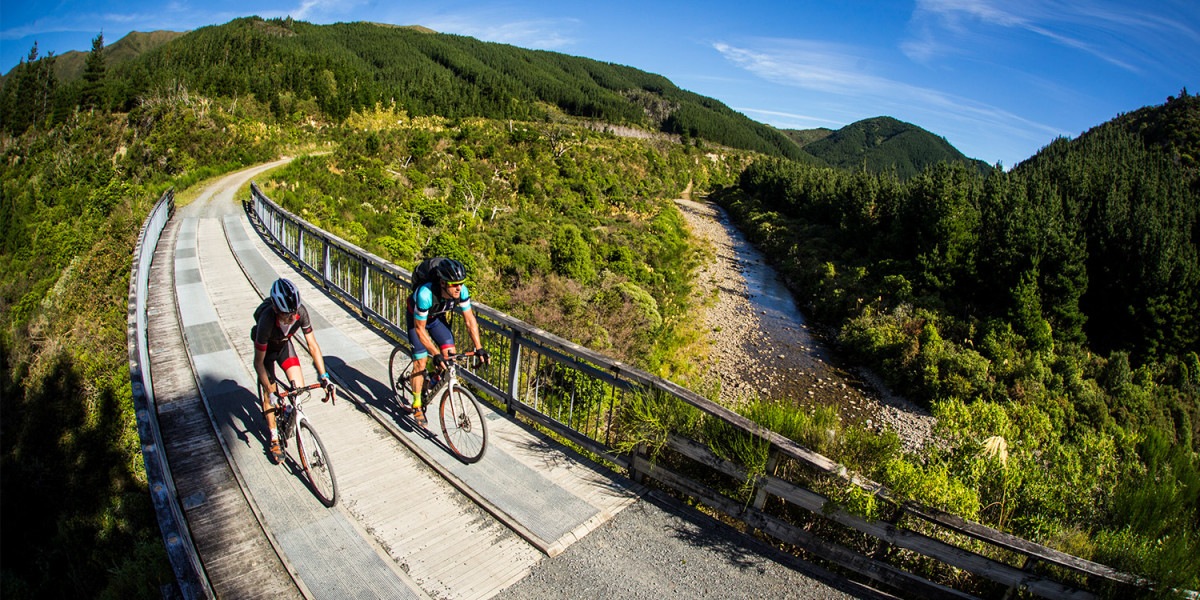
<point x="762" y="346"/>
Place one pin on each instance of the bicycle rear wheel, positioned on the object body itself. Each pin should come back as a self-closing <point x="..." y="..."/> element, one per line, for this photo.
<point x="463" y="424"/>
<point x="315" y="461"/>
<point x="399" y="372"/>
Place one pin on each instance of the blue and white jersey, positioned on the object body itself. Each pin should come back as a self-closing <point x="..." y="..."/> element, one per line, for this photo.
<point x="425" y="303"/>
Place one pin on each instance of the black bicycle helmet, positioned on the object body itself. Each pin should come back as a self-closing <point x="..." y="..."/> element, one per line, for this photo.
<point x="285" y="297"/>
<point x="451" y="271"/>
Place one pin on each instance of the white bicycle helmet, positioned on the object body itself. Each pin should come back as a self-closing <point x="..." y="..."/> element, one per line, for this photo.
<point x="285" y="297"/>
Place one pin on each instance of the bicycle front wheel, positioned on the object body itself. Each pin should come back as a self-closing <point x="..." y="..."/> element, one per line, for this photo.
<point x="400" y="373"/>
<point x="315" y="461"/>
<point x="463" y="424"/>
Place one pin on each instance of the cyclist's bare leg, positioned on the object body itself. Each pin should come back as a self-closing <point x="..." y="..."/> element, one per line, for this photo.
<point x="418" y="378"/>
<point x="268" y="410"/>
<point x="295" y="376"/>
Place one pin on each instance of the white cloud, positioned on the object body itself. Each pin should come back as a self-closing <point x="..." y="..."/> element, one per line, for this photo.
<point x="787" y="119"/>
<point x="1116" y="33"/>
<point x="845" y="87"/>
<point x="816" y="66"/>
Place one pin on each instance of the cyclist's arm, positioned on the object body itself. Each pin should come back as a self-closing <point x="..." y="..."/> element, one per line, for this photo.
<point x="266" y="323"/>
<point x="422" y="302"/>
<point x="472" y="328"/>
<point x="260" y="367"/>
<point x="315" y="351"/>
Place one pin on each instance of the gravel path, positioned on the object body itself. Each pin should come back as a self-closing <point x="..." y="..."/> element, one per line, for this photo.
<point x="761" y="345"/>
<point x="657" y="550"/>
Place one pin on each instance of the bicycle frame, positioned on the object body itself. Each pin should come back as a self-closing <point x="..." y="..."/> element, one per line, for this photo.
<point x="286" y="420"/>
<point x="462" y="420"/>
<point x="313" y="458"/>
<point x="448" y="376"/>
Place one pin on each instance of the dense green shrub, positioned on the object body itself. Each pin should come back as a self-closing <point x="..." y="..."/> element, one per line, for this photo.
<point x="570" y="255"/>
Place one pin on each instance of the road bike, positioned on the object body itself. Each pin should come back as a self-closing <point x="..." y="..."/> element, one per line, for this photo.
<point x="462" y="421"/>
<point x="314" y="459"/>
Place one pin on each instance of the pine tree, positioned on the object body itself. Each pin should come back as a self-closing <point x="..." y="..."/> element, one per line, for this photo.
<point x="92" y="93"/>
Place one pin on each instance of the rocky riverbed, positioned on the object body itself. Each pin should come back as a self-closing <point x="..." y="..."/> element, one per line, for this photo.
<point x="761" y="345"/>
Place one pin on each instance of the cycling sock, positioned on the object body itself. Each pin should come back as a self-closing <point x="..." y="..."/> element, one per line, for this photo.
<point x="274" y="434"/>
<point x="417" y="400"/>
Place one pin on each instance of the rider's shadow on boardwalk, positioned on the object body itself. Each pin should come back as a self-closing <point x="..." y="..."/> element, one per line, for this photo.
<point x="371" y="391"/>
<point x="238" y="409"/>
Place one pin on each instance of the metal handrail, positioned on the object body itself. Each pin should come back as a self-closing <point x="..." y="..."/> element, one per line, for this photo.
<point x="185" y="561"/>
<point x="542" y="370"/>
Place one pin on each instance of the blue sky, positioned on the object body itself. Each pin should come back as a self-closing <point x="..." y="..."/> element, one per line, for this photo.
<point x="998" y="79"/>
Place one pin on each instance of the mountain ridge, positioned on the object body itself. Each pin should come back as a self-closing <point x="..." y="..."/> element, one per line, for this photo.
<point x="881" y="144"/>
<point x="478" y="75"/>
<point x="69" y="65"/>
<point x="347" y="67"/>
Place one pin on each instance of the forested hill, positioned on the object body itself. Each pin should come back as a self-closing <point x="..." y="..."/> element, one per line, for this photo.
<point x="1053" y="307"/>
<point x="353" y="66"/>
<point x="882" y="144"/>
<point x="1172" y="129"/>
<point x="1129" y="192"/>
<point x="804" y="137"/>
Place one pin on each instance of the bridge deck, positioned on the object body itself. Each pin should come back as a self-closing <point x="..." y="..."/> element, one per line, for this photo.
<point x="237" y="556"/>
<point x="411" y="520"/>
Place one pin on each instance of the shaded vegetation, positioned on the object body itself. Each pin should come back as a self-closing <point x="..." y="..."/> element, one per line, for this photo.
<point x="78" y="518"/>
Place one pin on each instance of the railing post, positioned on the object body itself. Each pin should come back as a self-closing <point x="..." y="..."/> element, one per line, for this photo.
<point x="514" y="373"/>
<point x="1027" y="567"/>
<point x="364" y="286"/>
<point x="760" y="499"/>
<point x="300" y="250"/>
<point x="892" y="521"/>
<point x="325" y="262"/>
<point x="634" y="474"/>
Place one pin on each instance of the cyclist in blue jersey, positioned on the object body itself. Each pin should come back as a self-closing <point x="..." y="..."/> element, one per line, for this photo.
<point x="427" y="319"/>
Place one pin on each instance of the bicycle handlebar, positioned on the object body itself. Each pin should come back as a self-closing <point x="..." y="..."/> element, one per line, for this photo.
<point x="331" y="395"/>
<point x="453" y="359"/>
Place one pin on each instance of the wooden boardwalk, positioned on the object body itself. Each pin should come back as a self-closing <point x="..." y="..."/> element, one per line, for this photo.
<point x="236" y="553"/>
<point x="411" y="520"/>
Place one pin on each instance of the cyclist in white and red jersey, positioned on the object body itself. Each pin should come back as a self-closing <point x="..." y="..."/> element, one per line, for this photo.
<point x="279" y="319"/>
<point x="429" y="307"/>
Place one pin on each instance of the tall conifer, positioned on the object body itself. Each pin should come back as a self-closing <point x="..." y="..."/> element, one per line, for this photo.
<point x="92" y="94"/>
